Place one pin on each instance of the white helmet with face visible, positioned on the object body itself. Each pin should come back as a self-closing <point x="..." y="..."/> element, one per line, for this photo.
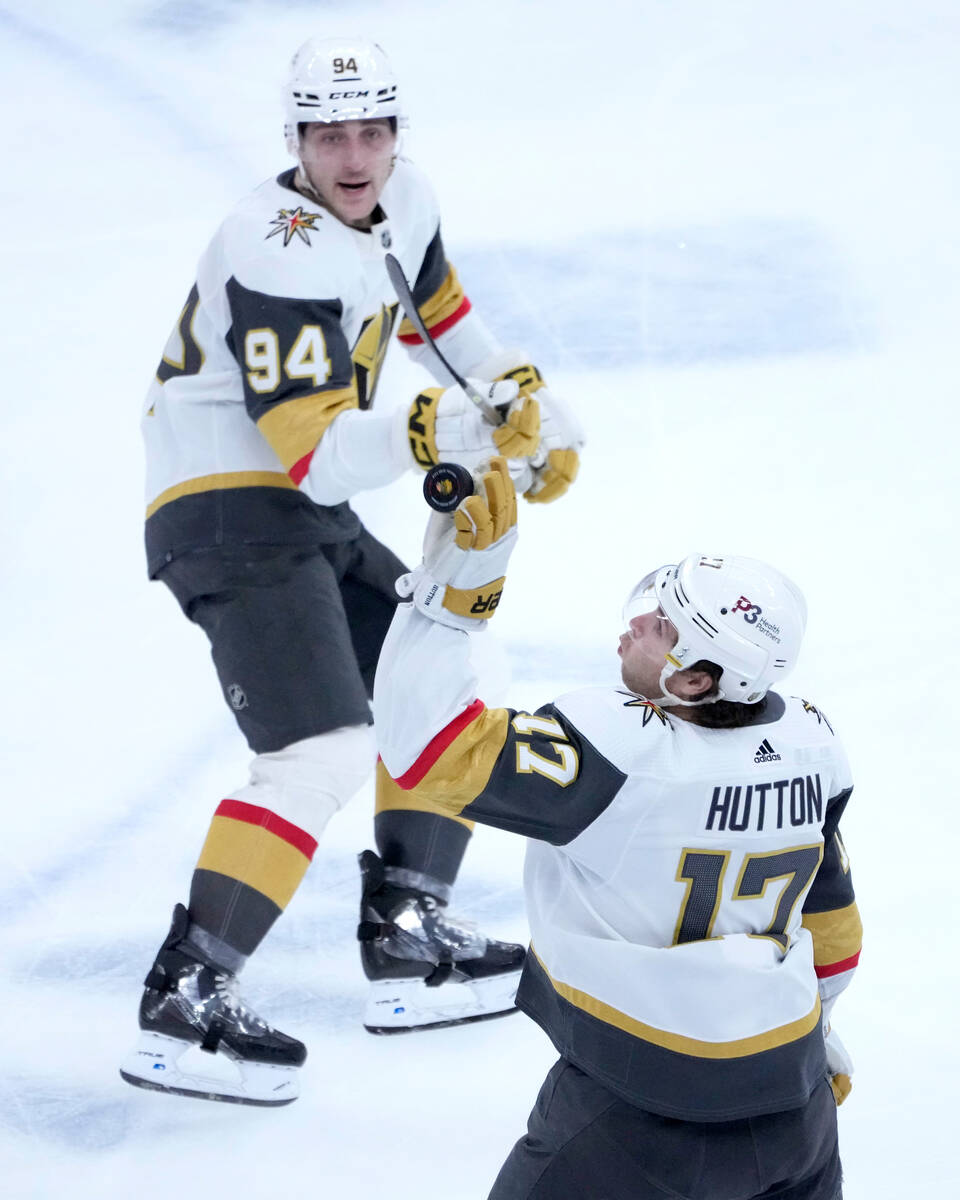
<point x="339" y="79"/>
<point x="739" y="613"/>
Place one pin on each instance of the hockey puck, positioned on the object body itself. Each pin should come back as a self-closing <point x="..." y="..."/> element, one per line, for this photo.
<point x="446" y="485"/>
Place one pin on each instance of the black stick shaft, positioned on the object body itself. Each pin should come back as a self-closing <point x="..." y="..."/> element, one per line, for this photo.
<point x="405" y="296"/>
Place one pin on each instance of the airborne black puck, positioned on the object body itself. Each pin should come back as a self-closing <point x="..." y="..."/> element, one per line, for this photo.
<point x="446" y="485"/>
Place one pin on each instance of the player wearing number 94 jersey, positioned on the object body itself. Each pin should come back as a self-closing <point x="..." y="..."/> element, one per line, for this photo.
<point x="259" y="427"/>
<point x="690" y="901"/>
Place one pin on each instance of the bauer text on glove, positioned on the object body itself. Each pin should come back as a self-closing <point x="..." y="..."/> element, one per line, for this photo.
<point x="460" y="581"/>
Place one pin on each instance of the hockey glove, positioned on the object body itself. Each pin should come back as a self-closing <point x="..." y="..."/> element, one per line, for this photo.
<point x="460" y="581"/>
<point x="444" y="425"/>
<point x="839" y="1065"/>
<point x="555" y="465"/>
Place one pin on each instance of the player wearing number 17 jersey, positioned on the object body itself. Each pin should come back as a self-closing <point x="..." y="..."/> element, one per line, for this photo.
<point x="690" y="901"/>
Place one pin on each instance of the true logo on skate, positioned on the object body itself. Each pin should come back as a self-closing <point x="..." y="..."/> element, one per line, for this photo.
<point x="766" y="753"/>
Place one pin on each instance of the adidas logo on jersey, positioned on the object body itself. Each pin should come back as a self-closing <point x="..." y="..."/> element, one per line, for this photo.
<point x="766" y="753"/>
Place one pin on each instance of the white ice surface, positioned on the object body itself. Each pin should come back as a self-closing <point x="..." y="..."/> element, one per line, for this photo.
<point x="728" y="232"/>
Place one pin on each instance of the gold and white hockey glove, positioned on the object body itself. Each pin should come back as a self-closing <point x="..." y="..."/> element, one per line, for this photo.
<point x="444" y="425"/>
<point x="465" y="555"/>
<point x="839" y="1064"/>
<point x="555" y="465"/>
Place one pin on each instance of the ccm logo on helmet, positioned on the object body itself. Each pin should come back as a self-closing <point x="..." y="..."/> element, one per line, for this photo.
<point x="751" y="612"/>
<point x="348" y="95"/>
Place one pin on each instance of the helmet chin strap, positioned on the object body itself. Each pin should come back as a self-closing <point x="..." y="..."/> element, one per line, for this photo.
<point x="670" y="699"/>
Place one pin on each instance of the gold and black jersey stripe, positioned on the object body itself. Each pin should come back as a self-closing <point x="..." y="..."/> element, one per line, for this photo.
<point x="830" y="911"/>
<point x="527" y="773"/>
<point x="677" y="1077"/>
<point x="438" y="295"/>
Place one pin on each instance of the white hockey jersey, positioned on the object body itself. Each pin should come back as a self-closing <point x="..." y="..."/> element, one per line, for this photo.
<point x="687" y="888"/>
<point x="284" y="331"/>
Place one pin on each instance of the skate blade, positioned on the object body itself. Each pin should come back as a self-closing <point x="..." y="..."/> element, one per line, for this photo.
<point x="181" y="1068"/>
<point x="407" y="1005"/>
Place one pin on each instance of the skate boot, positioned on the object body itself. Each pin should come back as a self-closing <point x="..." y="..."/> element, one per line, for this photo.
<point x="197" y="1037"/>
<point x="425" y="969"/>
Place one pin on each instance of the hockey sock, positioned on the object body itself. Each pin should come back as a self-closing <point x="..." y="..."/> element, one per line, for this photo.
<point x="412" y="836"/>
<point x="251" y="864"/>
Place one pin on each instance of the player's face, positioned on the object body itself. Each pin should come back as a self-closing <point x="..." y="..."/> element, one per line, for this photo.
<point x="644" y="646"/>
<point x="348" y="163"/>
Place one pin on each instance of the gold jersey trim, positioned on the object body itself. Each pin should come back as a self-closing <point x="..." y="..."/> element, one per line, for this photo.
<point x="837" y="935"/>
<point x="738" y="1048"/>
<point x="221" y="482"/>
<point x="462" y="771"/>
<point x="390" y="797"/>
<point x="294" y="427"/>
<point x="442" y="304"/>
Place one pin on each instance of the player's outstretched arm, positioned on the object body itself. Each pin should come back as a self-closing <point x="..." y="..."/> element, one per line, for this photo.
<point x="425" y="681"/>
<point x="528" y="773"/>
<point x="362" y="450"/>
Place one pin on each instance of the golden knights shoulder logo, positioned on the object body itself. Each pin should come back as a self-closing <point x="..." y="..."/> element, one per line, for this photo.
<point x="815" y="712"/>
<point x="293" y="221"/>
<point x="650" y="710"/>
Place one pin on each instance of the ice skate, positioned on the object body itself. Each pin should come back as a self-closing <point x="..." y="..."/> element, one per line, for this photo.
<point x="198" y="1038"/>
<point x="425" y="969"/>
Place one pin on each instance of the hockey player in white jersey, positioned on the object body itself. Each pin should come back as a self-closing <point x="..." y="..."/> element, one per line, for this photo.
<point x="690" y="902"/>
<point x="259" y="427"/>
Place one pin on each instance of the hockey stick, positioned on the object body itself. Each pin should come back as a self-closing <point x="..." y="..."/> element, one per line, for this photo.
<point x="445" y="484"/>
<point x="407" y="302"/>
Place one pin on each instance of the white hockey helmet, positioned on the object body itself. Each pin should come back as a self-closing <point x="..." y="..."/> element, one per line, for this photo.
<point x="739" y="613"/>
<point x="339" y="79"/>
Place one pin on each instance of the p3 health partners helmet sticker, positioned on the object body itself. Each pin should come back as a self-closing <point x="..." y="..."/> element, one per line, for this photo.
<point x="753" y="615"/>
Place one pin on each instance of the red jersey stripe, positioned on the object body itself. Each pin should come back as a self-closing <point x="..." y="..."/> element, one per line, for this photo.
<point x="252" y="814"/>
<point x="414" y="339"/>
<point x="837" y="968"/>
<point x="300" y="468"/>
<point x="413" y="775"/>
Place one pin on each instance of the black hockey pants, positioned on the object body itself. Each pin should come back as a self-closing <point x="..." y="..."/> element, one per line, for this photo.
<point x="584" y="1143"/>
